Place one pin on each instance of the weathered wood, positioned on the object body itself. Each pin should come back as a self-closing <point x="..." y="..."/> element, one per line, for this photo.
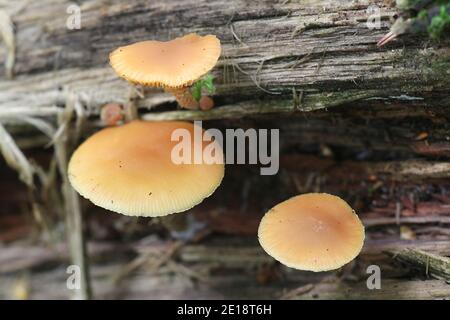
<point x="214" y="270"/>
<point x="429" y="264"/>
<point x="170" y="283"/>
<point x="321" y="48"/>
<point x="244" y="254"/>
<point x="390" y="290"/>
<point x="310" y="56"/>
<point x="353" y="120"/>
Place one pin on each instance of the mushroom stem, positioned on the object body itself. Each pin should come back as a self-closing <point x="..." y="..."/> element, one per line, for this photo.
<point x="184" y="97"/>
<point x="130" y="108"/>
<point x="131" y="112"/>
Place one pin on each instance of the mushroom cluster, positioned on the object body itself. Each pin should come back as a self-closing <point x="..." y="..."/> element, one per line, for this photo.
<point x="129" y="168"/>
<point x="173" y="65"/>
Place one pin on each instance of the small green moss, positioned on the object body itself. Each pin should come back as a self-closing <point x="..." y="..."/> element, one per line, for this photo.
<point x="439" y="23"/>
<point x="436" y="24"/>
<point x="206" y="83"/>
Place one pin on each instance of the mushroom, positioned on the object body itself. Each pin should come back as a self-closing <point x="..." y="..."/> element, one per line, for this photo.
<point x="174" y="65"/>
<point x="129" y="169"/>
<point x="314" y="232"/>
<point x="111" y="114"/>
<point x="206" y="103"/>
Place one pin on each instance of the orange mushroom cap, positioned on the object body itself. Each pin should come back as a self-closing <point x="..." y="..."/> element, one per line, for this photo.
<point x="176" y="63"/>
<point x="315" y="232"/>
<point x="129" y="170"/>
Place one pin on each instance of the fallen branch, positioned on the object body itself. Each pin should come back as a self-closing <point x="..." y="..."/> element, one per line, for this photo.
<point x="390" y="289"/>
<point x="427" y="263"/>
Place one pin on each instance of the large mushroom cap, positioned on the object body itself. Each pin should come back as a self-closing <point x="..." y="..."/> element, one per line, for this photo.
<point x="315" y="232"/>
<point x="176" y="63"/>
<point x="129" y="169"/>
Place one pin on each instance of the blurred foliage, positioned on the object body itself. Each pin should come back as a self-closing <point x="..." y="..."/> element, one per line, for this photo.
<point x="434" y="14"/>
<point x="439" y="23"/>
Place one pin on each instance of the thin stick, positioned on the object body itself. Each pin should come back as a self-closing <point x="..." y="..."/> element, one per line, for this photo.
<point x="430" y="264"/>
<point x="8" y="36"/>
<point x="74" y="222"/>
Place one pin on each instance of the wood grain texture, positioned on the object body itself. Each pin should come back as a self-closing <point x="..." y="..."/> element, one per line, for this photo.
<point x="322" y="48"/>
<point x="371" y="125"/>
<point x="209" y="271"/>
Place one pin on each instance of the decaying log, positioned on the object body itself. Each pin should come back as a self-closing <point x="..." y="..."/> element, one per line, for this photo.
<point x="170" y="283"/>
<point x="322" y="49"/>
<point x="430" y="264"/>
<point x="209" y="271"/>
<point x="390" y="290"/>
<point x="243" y="254"/>
<point x="368" y="124"/>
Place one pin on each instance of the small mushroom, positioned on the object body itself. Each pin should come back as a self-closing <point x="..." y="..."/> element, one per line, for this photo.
<point x="129" y="169"/>
<point x="314" y="232"/>
<point x="111" y="114"/>
<point x="206" y="103"/>
<point x="174" y="65"/>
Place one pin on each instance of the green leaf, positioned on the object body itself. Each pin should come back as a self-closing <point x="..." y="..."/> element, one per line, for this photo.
<point x="206" y="83"/>
<point x="196" y="90"/>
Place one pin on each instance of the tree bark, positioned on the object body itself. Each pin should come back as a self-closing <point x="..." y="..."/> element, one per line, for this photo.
<point x="323" y="49"/>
